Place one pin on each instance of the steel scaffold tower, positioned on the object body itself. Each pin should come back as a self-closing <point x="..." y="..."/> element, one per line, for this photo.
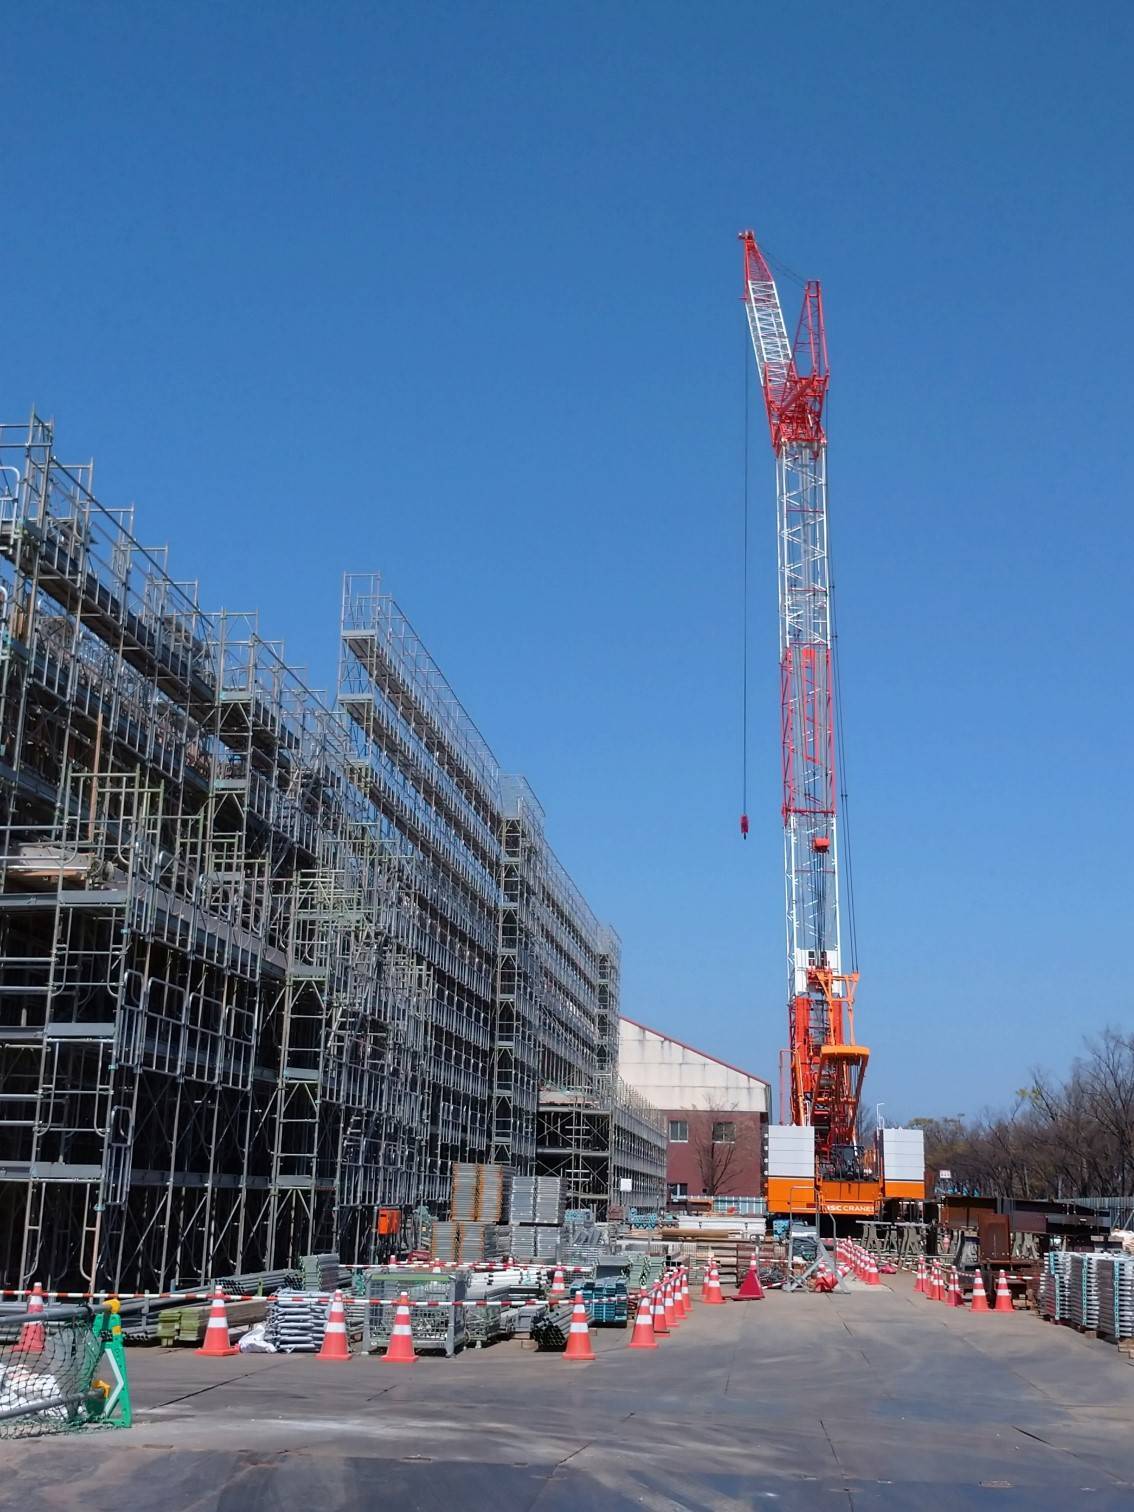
<point x="826" y="1064"/>
<point x="266" y="964"/>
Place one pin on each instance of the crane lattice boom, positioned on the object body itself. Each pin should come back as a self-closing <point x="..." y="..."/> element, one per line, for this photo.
<point x="827" y="1065"/>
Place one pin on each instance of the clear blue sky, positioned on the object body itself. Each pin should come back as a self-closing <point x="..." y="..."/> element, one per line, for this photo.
<point x="452" y="291"/>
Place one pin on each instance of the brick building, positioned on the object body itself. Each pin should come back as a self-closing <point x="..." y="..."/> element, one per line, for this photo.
<point x="716" y="1113"/>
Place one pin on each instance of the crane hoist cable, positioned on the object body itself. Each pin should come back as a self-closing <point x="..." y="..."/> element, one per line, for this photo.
<point x="744" y="615"/>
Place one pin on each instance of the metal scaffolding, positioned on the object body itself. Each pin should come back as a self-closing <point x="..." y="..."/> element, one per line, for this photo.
<point x="266" y="964"/>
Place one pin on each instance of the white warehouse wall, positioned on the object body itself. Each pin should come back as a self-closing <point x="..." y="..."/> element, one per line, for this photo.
<point x="675" y="1076"/>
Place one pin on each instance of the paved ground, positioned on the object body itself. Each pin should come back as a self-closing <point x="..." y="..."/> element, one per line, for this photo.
<point x="878" y="1400"/>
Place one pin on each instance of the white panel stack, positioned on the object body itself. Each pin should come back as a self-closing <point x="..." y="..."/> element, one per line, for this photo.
<point x="903" y="1154"/>
<point x="791" y="1151"/>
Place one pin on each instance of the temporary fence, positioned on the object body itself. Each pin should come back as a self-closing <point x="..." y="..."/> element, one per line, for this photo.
<point x="61" y="1369"/>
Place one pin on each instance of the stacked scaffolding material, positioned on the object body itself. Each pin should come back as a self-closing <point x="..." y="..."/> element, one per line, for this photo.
<point x="1083" y="1291"/>
<point x="536" y="1211"/>
<point x="464" y="1196"/>
<point x="550" y="1203"/>
<point x="322" y="1273"/>
<point x="495" y="1184"/>
<point x="1055" y="1282"/>
<point x="445" y="1241"/>
<point x="296" y="1321"/>
<point x="1116" y="1297"/>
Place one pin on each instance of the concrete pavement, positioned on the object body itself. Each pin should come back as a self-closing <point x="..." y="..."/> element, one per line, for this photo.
<point x="877" y="1400"/>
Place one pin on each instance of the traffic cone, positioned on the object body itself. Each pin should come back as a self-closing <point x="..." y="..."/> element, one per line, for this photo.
<point x="558" y="1286"/>
<point x="643" y="1335"/>
<point x="678" y="1301"/>
<point x="1003" y="1295"/>
<point x="671" y="1318"/>
<point x="953" y="1296"/>
<point x="579" y="1338"/>
<point x="399" y="1351"/>
<point x="686" y="1300"/>
<point x="335" y="1346"/>
<point x="705" y="1278"/>
<point x="872" y="1271"/>
<point x="713" y="1295"/>
<point x="919" y="1280"/>
<point x="980" y="1296"/>
<point x="660" y="1325"/>
<point x="216" y="1333"/>
<point x="750" y="1288"/>
<point x="935" y="1282"/>
<point x="33" y="1335"/>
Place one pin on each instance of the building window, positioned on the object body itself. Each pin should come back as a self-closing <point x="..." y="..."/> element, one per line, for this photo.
<point x="724" y="1133"/>
<point x="678" y="1131"/>
<point x="678" y="1191"/>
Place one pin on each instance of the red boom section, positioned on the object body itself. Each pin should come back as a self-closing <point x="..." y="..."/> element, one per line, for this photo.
<point x="795" y="383"/>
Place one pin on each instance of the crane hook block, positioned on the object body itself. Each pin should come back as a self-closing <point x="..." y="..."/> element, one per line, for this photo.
<point x="744" y="826"/>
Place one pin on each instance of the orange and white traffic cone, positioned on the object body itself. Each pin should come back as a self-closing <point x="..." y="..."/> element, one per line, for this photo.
<point x="660" y="1324"/>
<point x="713" y="1294"/>
<point x="750" y="1288"/>
<point x="579" y="1338"/>
<point x="335" y="1346"/>
<point x="216" y="1333"/>
<point x="675" y="1286"/>
<point x="643" y="1335"/>
<point x="705" y="1278"/>
<point x="953" y="1296"/>
<point x="686" y="1300"/>
<point x="919" y="1280"/>
<point x="872" y="1271"/>
<point x="980" y="1296"/>
<point x="935" y="1283"/>
<point x="399" y="1351"/>
<point x="1003" y="1295"/>
<point x="671" y="1318"/>
<point x="558" y="1286"/>
<point x="33" y="1334"/>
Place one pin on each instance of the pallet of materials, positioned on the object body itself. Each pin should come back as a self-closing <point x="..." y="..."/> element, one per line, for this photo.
<point x="186" y="1325"/>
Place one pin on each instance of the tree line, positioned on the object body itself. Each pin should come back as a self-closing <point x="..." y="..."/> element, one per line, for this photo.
<point x="1060" y="1139"/>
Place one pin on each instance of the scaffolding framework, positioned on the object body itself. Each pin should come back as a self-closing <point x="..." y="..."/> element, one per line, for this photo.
<point x="266" y="963"/>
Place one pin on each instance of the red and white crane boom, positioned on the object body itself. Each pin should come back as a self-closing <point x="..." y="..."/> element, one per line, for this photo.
<point x="826" y="1064"/>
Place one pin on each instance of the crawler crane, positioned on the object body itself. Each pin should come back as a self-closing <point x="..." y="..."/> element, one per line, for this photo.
<point x="815" y="1163"/>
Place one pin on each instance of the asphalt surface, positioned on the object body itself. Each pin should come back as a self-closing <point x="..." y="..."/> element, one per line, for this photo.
<point x="877" y="1400"/>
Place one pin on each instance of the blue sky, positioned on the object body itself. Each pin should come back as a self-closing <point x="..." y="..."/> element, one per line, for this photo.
<point x="452" y="291"/>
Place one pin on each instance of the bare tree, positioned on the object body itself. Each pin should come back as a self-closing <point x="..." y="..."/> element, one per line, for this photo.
<point x="720" y="1160"/>
<point x="1060" y="1139"/>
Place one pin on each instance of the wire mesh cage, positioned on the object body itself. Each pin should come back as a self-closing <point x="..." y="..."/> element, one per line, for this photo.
<point x="51" y="1366"/>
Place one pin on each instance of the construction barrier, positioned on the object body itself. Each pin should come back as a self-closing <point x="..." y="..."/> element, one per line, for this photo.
<point x="62" y="1369"/>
